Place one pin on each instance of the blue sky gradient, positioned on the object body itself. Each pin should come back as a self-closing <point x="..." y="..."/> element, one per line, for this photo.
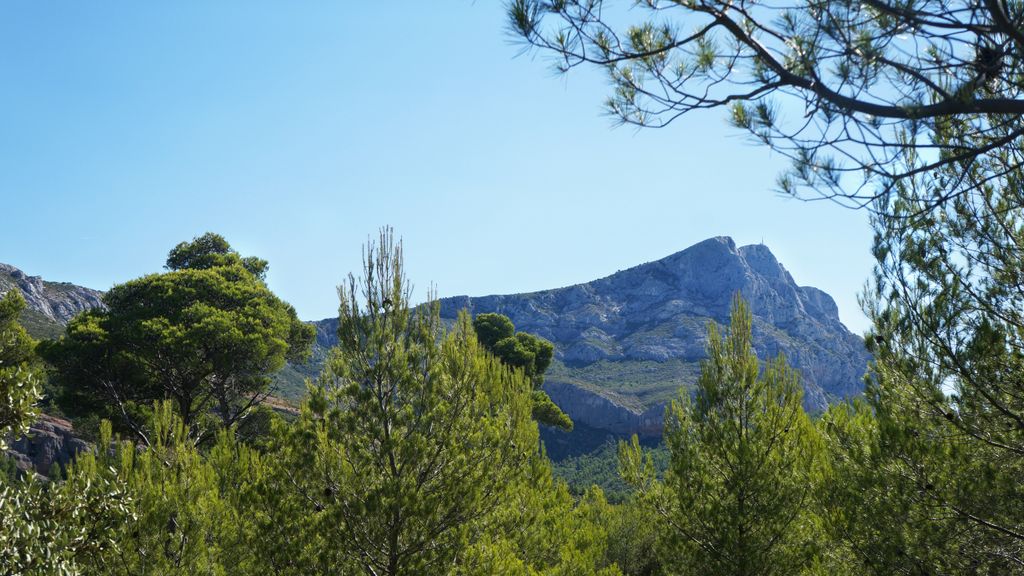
<point x="297" y="129"/>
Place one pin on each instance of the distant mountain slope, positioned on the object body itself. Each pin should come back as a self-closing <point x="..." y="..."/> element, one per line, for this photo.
<point x="626" y="343"/>
<point x="50" y="304"/>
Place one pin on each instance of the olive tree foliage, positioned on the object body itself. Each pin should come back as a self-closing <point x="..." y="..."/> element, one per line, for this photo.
<point x="860" y="95"/>
<point x="737" y="497"/>
<point x="60" y="529"/>
<point x="19" y="375"/>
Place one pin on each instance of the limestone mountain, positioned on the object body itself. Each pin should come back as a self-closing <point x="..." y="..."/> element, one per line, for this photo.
<point x="626" y="344"/>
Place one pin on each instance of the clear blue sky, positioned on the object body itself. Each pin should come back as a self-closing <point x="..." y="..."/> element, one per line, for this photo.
<point x="297" y="128"/>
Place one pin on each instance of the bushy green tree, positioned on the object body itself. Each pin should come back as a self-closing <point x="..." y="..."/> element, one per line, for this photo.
<point x="930" y="466"/>
<point x="19" y="378"/>
<point x="924" y="473"/>
<point x="207" y="335"/>
<point x="737" y="496"/>
<point x="878" y="516"/>
<point x="541" y="530"/>
<point x="545" y="411"/>
<point x="527" y="352"/>
<point x="188" y="511"/>
<point x="632" y="539"/>
<point x="492" y="328"/>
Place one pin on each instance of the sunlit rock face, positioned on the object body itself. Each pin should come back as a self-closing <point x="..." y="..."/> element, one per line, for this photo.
<point x="626" y="344"/>
<point x="49" y="444"/>
<point x="57" y="301"/>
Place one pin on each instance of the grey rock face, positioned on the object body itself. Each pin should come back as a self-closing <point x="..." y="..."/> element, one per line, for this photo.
<point x="58" y="301"/>
<point x="601" y="412"/>
<point x="628" y="323"/>
<point x="50" y="442"/>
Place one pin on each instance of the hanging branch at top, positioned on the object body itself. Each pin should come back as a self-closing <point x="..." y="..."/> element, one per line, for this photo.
<point x="859" y="95"/>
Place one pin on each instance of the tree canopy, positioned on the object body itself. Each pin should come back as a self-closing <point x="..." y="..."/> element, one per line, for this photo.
<point x="210" y="251"/>
<point x="527" y="352"/>
<point x="207" y="334"/>
<point x="860" y="95"/>
<point x="531" y="353"/>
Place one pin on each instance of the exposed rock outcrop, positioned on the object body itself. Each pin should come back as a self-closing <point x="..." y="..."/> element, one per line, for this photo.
<point x="50" y="442"/>
<point x="603" y="413"/>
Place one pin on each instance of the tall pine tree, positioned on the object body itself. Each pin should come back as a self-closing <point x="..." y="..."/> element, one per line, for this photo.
<point x="735" y="499"/>
<point x="413" y="436"/>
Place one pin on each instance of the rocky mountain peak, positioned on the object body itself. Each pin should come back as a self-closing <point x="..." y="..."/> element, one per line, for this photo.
<point x="648" y="325"/>
<point x="708" y="274"/>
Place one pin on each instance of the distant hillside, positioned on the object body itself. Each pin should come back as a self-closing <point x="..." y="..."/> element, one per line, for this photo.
<point x="50" y="304"/>
<point x="626" y="344"/>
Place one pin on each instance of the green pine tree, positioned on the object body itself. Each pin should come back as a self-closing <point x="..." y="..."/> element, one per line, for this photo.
<point x="928" y="469"/>
<point x="189" y="511"/>
<point x="737" y="497"/>
<point x="412" y="437"/>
